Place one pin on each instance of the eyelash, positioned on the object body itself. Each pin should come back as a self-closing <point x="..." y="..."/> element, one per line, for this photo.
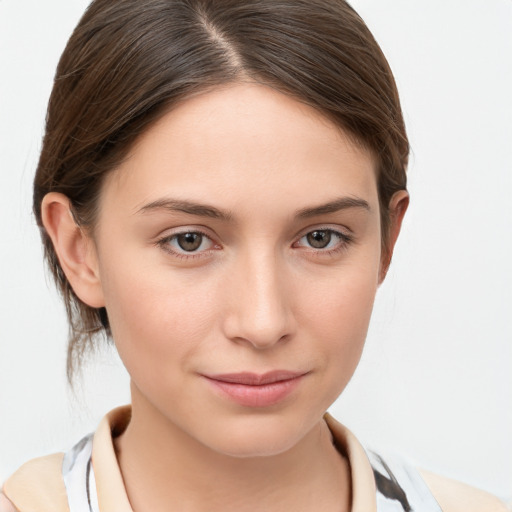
<point x="344" y="241"/>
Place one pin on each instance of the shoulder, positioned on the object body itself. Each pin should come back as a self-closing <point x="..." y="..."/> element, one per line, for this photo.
<point x="454" y="496"/>
<point x="37" y="486"/>
<point x="5" y="504"/>
<point x="397" y="480"/>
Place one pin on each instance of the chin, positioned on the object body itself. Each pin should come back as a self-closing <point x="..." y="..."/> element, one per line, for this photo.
<point x="251" y="448"/>
<point x="256" y="437"/>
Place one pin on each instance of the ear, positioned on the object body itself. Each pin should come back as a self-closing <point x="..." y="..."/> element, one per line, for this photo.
<point x="397" y="208"/>
<point x="74" y="248"/>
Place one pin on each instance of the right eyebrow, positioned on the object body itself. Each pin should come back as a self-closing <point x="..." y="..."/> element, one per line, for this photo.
<point x="189" y="207"/>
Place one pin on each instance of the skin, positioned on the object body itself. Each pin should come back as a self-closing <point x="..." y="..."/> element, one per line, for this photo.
<point x="255" y="296"/>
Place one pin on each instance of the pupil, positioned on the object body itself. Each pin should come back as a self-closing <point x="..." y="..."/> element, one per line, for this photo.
<point x="190" y="241"/>
<point x="319" y="239"/>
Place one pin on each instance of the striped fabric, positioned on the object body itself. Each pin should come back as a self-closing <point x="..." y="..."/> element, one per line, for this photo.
<point x="400" y="487"/>
<point x="78" y="477"/>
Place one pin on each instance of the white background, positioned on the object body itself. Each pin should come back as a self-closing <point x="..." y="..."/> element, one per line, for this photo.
<point x="435" y="381"/>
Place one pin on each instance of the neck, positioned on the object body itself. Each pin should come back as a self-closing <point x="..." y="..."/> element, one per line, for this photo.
<point x="162" y="465"/>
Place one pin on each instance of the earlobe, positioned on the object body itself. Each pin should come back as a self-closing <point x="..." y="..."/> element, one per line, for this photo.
<point x="397" y="208"/>
<point x="74" y="248"/>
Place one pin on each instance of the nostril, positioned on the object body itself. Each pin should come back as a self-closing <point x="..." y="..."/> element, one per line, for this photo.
<point x="260" y="331"/>
<point x="262" y="339"/>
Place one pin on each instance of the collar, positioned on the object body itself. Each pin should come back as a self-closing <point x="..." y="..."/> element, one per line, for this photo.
<point x="112" y="493"/>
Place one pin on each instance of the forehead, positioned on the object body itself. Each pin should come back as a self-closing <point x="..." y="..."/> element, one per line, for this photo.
<point x="244" y="142"/>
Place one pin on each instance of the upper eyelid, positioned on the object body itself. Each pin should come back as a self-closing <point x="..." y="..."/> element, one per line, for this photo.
<point x="172" y="232"/>
<point x="344" y="237"/>
<point x="343" y="231"/>
<point x="332" y="230"/>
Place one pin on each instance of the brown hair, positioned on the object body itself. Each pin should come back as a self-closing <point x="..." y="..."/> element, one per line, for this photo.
<point x="129" y="61"/>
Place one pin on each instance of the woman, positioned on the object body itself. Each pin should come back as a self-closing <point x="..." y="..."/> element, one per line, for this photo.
<point x="220" y="189"/>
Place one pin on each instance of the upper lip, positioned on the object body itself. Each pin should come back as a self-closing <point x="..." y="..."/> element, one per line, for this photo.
<point x="255" y="379"/>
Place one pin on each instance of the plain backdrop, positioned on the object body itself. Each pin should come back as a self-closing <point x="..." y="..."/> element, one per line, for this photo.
<point x="435" y="381"/>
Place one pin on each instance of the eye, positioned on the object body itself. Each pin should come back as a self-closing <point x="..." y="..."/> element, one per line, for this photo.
<point x="324" y="239"/>
<point x="191" y="242"/>
<point x="319" y="239"/>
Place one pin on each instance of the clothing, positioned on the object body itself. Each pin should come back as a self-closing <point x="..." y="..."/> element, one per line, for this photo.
<point x="88" y="479"/>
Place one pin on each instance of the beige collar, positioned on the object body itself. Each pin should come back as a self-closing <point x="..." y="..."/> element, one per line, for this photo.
<point x="109" y="481"/>
<point x="364" y="492"/>
<point x="112" y="493"/>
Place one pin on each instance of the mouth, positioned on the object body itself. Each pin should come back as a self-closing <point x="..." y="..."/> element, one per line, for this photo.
<point x="256" y="390"/>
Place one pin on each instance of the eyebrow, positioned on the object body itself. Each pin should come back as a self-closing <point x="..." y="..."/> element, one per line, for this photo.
<point x="204" y="210"/>
<point x="334" y="206"/>
<point x="192" y="208"/>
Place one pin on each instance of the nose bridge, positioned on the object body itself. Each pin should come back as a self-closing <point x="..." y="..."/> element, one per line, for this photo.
<point x="260" y="311"/>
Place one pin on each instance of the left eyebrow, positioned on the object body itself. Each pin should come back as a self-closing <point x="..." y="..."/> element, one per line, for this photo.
<point x="334" y="206"/>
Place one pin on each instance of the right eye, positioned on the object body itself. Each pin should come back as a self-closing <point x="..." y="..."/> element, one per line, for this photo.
<point x="186" y="243"/>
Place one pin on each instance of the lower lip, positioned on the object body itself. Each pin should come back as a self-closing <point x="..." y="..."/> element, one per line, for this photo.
<point x="264" y="395"/>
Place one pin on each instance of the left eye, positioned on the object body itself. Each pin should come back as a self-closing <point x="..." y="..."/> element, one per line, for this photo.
<point x="188" y="242"/>
<point x="322" y="239"/>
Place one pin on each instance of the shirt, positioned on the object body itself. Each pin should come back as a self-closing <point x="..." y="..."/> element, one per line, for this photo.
<point x="87" y="478"/>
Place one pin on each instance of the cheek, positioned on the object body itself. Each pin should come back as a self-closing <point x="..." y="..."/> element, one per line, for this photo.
<point x="338" y="318"/>
<point x="158" y="321"/>
<point x="344" y="307"/>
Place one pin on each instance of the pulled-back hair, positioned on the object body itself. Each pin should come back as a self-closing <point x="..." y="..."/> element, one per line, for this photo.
<point x="128" y="62"/>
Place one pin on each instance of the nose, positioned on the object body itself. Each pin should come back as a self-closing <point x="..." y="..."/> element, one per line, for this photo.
<point x="259" y="309"/>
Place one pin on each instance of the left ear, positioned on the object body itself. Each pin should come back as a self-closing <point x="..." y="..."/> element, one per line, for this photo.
<point x="397" y="208"/>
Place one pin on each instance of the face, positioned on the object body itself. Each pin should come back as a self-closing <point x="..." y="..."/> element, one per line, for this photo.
<point x="238" y="251"/>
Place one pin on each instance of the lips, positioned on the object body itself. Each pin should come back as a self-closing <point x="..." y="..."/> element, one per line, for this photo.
<point x="256" y="390"/>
